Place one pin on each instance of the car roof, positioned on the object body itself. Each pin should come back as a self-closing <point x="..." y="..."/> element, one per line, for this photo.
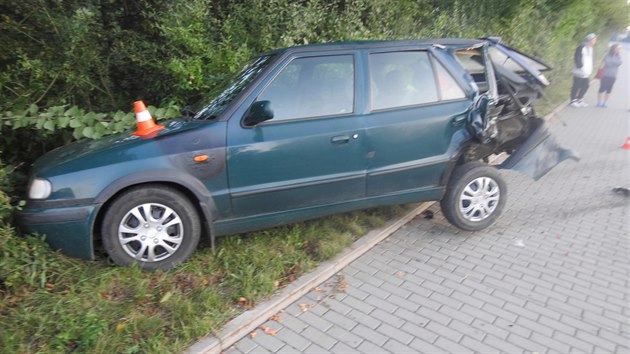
<point x="448" y="42"/>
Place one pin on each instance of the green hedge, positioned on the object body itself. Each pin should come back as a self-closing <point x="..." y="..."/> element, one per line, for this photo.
<point x="100" y="55"/>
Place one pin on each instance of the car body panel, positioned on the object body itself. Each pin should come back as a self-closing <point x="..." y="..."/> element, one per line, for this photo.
<point x="270" y="172"/>
<point x="122" y="161"/>
<point x="408" y="138"/>
<point x="409" y="147"/>
<point x="260" y="221"/>
<point x="276" y="161"/>
<point x="63" y="228"/>
<point x="320" y="159"/>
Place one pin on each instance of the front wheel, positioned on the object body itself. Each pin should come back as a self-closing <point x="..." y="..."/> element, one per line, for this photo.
<point x="475" y="197"/>
<point x="154" y="226"/>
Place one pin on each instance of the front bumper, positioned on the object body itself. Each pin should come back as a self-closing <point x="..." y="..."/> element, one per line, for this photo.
<point x="68" y="229"/>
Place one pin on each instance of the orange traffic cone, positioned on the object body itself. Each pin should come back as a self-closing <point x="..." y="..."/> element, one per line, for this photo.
<point x="146" y="125"/>
<point x="627" y="144"/>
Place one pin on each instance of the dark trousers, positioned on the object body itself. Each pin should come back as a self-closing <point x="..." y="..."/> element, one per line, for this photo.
<point x="606" y="84"/>
<point x="580" y="85"/>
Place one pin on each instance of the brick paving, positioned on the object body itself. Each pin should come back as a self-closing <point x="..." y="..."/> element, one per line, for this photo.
<point x="550" y="276"/>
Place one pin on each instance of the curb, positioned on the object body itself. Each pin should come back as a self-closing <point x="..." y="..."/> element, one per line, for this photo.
<point x="248" y="321"/>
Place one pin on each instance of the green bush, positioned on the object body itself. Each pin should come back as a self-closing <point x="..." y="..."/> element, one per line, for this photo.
<point x="101" y="55"/>
<point x="6" y="209"/>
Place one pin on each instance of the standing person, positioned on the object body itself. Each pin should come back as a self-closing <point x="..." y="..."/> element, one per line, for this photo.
<point x="612" y="61"/>
<point x="582" y="69"/>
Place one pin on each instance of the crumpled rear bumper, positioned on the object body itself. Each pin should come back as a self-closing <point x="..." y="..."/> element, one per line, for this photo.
<point x="538" y="154"/>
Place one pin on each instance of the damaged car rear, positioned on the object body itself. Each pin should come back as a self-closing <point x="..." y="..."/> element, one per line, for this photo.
<point x="505" y="120"/>
<point x="304" y="132"/>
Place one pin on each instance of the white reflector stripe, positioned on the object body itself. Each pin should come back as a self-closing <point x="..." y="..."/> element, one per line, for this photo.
<point x="143" y="116"/>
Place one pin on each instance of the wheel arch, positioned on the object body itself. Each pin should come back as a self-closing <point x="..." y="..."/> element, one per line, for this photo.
<point x="469" y="151"/>
<point x="458" y="153"/>
<point x="188" y="185"/>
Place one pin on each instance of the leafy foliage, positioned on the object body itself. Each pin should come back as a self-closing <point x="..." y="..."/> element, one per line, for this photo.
<point x="99" y="55"/>
<point x="80" y="123"/>
<point x="5" y="202"/>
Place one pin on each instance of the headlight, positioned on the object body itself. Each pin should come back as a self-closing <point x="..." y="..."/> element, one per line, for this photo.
<point x="40" y="189"/>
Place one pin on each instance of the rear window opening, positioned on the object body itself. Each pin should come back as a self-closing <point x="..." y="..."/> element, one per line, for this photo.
<point x="472" y="61"/>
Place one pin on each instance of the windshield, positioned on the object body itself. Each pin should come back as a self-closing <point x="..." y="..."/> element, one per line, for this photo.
<point x="215" y="107"/>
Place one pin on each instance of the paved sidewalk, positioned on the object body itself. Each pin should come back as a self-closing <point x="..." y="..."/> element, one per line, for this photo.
<point x="550" y="276"/>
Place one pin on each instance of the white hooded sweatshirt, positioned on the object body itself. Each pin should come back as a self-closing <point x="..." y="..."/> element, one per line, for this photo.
<point x="583" y="61"/>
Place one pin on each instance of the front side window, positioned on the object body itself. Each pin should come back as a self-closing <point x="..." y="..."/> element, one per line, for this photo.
<point x="401" y="79"/>
<point x="312" y="87"/>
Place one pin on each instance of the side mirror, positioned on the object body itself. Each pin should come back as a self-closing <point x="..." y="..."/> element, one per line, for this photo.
<point x="258" y="112"/>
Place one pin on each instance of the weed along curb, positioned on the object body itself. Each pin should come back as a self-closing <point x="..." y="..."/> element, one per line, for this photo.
<point x="251" y="319"/>
<point x="248" y="321"/>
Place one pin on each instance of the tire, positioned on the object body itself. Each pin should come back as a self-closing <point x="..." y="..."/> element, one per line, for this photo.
<point x="162" y="240"/>
<point x="475" y="196"/>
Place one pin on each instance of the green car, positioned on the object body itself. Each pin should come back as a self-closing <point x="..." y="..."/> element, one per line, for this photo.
<point x="300" y="133"/>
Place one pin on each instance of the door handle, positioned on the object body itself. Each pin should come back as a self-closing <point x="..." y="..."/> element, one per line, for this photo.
<point x="459" y="119"/>
<point x="340" y="139"/>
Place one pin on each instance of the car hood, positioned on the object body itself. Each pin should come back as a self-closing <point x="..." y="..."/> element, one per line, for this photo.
<point x="84" y="148"/>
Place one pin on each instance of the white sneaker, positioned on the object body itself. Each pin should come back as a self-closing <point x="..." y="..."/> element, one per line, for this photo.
<point x="575" y="104"/>
<point x="583" y="104"/>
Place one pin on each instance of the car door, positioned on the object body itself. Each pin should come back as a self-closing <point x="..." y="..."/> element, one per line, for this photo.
<point x="312" y="151"/>
<point x="417" y="116"/>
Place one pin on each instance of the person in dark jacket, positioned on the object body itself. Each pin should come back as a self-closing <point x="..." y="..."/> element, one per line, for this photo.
<point x="582" y="69"/>
<point x="612" y="62"/>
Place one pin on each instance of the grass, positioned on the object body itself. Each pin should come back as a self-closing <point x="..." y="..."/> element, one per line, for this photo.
<point x="50" y="303"/>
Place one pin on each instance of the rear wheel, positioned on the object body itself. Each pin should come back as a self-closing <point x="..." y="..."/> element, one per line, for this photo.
<point x="154" y="226"/>
<point x="475" y="196"/>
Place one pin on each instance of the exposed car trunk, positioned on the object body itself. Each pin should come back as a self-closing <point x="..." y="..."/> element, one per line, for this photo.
<point x="503" y="119"/>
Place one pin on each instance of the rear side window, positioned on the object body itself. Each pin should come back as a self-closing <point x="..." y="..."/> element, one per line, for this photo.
<point x="401" y="79"/>
<point x="449" y="89"/>
<point x="312" y="87"/>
